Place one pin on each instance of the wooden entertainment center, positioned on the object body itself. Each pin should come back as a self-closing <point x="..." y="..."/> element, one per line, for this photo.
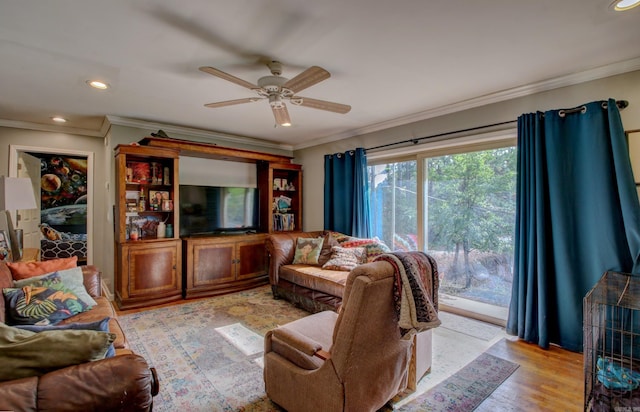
<point x="151" y="268"/>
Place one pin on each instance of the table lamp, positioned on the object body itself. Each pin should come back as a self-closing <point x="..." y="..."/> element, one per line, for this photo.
<point x="16" y="193"/>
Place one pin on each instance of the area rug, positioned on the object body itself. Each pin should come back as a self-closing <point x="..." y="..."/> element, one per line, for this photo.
<point x="467" y="388"/>
<point x="208" y="354"/>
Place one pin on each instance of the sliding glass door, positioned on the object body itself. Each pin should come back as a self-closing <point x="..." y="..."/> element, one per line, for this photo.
<point x="463" y="200"/>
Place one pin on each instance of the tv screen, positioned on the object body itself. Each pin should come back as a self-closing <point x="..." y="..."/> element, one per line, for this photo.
<point x="214" y="209"/>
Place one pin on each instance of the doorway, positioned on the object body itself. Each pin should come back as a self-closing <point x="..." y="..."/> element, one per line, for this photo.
<point x="62" y="181"/>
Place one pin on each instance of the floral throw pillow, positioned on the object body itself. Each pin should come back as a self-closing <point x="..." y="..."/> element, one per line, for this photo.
<point x="345" y="259"/>
<point x="307" y="250"/>
<point x="42" y="305"/>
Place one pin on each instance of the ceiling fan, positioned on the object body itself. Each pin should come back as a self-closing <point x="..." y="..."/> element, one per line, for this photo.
<point x="277" y="89"/>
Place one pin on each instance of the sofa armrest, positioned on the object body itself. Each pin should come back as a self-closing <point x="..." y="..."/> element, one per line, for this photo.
<point x="281" y="248"/>
<point x="92" y="280"/>
<point x="104" y="385"/>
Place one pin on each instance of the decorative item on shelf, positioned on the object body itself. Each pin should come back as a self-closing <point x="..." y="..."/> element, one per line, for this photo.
<point x="166" y="177"/>
<point x="156" y="198"/>
<point x="161" y="231"/>
<point x="167" y="205"/>
<point x="140" y="172"/>
<point x="283" y="204"/>
<point x="142" y="202"/>
<point x="134" y="232"/>
<point x="156" y="173"/>
<point x="169" y="230"/>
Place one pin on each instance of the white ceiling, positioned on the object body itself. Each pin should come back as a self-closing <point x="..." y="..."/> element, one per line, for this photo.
<point x="392" y="61"/>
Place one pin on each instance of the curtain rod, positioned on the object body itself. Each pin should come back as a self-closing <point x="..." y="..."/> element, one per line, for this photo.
<point x="622" y="104"/>
<point x="416" y="140"/>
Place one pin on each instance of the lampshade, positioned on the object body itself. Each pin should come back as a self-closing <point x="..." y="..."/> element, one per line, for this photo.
<point x="16" y="193"/>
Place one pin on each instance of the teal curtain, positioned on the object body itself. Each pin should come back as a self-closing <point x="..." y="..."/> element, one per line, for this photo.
<point x="578" y="216"/>
<point x="346" y="193"/>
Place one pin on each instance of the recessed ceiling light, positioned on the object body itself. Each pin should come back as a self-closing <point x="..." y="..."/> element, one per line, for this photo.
<point x="59" y="119"/>
<point x="285" y="124"/>
<point x="96" y="84"/>
<point x="622" y="5"/>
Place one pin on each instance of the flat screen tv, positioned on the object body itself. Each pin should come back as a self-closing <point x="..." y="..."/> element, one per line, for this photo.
<point x="208" y="210"/>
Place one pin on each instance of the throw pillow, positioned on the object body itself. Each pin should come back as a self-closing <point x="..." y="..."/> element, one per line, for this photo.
<point x="373" y="247"/>
<point x="72" y="279"/>
<point x="23" y="270"/>
<point x="325" y="253"/>
<point x="345" y="259"/>
<point x="101" y="325"/>
<point x="24" y="353"/>
<point x="42" y="304"/>
<point x="307" y="250"/>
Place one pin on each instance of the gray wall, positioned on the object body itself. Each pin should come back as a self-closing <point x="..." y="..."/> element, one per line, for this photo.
<point x="621" y="87"/>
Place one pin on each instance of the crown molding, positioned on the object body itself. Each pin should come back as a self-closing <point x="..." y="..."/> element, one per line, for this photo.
<point x="18" y="124"/>
<point x="205" y="134"/>
<point x="526" y="90"/>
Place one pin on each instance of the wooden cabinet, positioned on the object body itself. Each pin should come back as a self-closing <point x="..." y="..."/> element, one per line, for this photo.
<point x="148" y="264"/>
<point x="222" y="264"/>
<point x="148" y="273"/>
<point x="280" y="188"/>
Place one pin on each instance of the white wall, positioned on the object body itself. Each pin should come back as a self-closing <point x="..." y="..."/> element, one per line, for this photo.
<point x="210" y="172"/>
<point x="621" y="87"/>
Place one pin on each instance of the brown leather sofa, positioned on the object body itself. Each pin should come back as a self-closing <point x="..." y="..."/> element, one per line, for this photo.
<point x="124" y="382"/>
<point x="310" y="287"/>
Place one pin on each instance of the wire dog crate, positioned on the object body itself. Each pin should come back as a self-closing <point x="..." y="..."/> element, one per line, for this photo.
<point x="611" y="339"/>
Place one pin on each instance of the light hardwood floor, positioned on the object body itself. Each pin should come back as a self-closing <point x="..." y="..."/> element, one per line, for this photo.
<point x="547" y="380"/>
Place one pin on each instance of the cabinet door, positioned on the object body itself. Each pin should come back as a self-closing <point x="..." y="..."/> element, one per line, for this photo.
<point x="251" y="259"/>
<point x="152" y="269"/>
<point x="212" y="264"/>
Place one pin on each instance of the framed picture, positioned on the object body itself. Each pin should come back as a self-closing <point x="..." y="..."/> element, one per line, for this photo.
<point x="156" y="197"/>
<point x="5" y="245"/>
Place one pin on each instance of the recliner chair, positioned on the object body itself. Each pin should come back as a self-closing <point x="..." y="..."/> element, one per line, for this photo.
<point x="352" y="361"/>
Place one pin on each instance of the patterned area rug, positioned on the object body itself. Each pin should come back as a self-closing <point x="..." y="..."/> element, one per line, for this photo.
<point x="467" y="388"/>
<point x="208" y="355"/>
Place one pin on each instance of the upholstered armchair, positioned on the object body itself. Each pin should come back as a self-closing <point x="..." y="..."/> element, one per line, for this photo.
<point x="352" y="361"/>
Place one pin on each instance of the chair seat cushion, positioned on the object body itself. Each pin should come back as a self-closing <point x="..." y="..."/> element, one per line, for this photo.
<point x="317" y="327"/>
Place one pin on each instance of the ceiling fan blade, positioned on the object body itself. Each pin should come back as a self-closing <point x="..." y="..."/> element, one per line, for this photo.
<point x="321" y="104"/>
<point x="282" y="115"/>
<point x="232" y="102"/>
<point x="307" y="78"/>
<point x="226" y="76"/>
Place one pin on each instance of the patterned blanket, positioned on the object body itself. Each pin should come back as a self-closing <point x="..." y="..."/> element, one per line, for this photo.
<point x="415" y="291"/>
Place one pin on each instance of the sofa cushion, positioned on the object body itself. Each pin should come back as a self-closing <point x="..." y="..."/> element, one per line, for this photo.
<point x="373" y="247"/>
<point x="102" y="310"/>
<point x="24" y="353"/>
<point x="48" y="303"/>
<point x="307" y="250"/>
<point x="72" y="278"/>
<point x="101" y="325"/>
<point x="327" y="244"/>
<point x="23" y="270"/>
<point x="315" y="278"/>
<point x="345" y="259"/>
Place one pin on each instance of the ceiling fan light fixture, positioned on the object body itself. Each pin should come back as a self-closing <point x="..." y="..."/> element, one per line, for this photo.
<point x="59" y="119"/>
<point x="624" y="5"/>
<point x="97" y="84"/>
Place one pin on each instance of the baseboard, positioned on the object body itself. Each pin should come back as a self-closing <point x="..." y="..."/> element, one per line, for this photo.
<point x="105" y="291"/>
